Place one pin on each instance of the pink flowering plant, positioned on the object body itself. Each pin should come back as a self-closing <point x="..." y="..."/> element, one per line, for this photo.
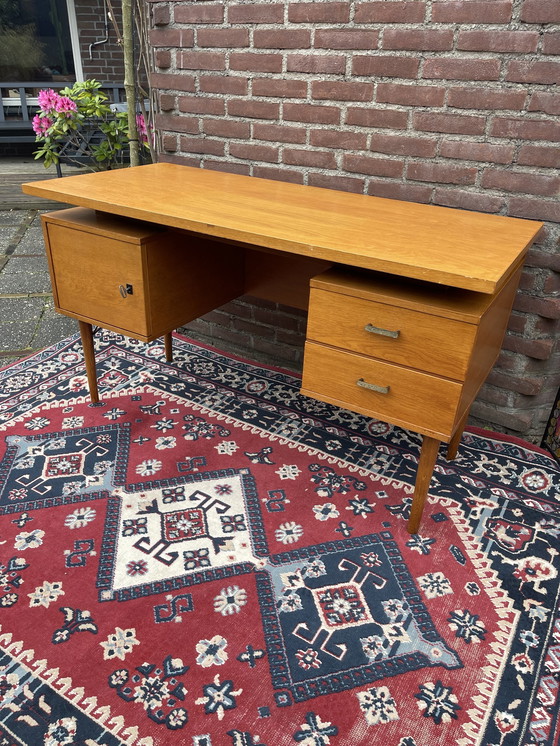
<point x="78" y="123"/>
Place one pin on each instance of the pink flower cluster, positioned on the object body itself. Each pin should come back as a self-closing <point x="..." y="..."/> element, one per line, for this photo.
<point x="41" y="125"/>
<point x="51" y="103"/>
<point x="141" y="128"/>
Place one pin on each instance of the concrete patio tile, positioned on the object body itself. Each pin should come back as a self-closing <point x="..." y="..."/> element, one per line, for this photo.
<point x="20" y="309"/>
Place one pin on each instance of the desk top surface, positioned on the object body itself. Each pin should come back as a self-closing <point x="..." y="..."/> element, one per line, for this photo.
<point x="464" y="249"/>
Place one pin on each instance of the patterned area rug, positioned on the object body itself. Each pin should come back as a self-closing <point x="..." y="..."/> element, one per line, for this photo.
<point x="207" y="558"/>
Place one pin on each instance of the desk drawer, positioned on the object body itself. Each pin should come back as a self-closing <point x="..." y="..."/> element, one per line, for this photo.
<point x="88" y="272"/>
<point x="415" y="400"/>
<point x="422" y="341"/>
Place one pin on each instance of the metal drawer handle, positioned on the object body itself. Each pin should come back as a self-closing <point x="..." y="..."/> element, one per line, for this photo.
<point x="384" y="332"/>
<point x="125" y="290"/>
<point x="373" y="386"/>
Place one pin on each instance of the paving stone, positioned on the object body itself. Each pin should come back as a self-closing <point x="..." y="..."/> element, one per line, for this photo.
<point x="17" y="335"/>
<point x="24" y="282"/>
<point x="12" y="217"/>
<point x="31" y="243"/>
<point x="53" y="329"/>
<point x="21" y="309"/>
<point x="7" y="234"/>
<point x="25" y="264"/>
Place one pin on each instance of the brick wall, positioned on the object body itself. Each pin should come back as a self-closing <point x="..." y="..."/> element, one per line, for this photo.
<point x="450" y="102"/>
<point x="106" y="61"/>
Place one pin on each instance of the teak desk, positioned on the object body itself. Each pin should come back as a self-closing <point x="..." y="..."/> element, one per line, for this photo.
<point x="408" y="303"/>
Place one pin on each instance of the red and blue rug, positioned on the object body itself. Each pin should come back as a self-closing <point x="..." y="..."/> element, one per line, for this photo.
<point x="208" y="558"/>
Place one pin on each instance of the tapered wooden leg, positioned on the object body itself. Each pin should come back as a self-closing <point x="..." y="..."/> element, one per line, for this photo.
<point x="86" y="333"/>
<point x="168" y="341"/>
<point x="456" y="439"/>
<point x="428" y="456"/>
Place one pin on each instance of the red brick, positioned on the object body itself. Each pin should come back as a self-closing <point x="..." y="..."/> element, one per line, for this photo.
<point x="170" y="37"/>
<point x="549" y="308"/>
<point x="533" y="72"/>
<point x="160" y="15"/>
<point x="540" y="11"/>
<point x="498" y="41"/>
<point x="538" y="258"/>
<point x="222" y="37"/>
<point x="256" y="13"/>
<point x="166" y="101"/>
<point x="549" y="103"/>
<point x="529" y="386"/>
<point x="458" y="124"/>
<point x="177" y="124"/>
<point x="386" y="11"/>
<point x="444" y="173"/>
<point x="517" y="323"/>
<point x="201" y="61"/>
<point x="201" y="105"/>
<point x="226" y="128"/>
<point x="180" y="160"/>
<point x="461" y="69"/>
<point x="176" y="82"/>
<point x="535" y="209"/>
<point x="282" y="39"/>
<point x="341" y="90"/>
<point x="398" y="190"/>
<point x="526" y="183"/>
<point x="403" y="145"/>
<point x="336" y="181"/>
<point x="169" y="143"/>
<point x="253" y="109"/>
<point x="340" y="139"/>
<point x="253" y="152"/>
<point x="319" y="12"/>
<point x="541" y="349"/>
<point x="552" y="283"/>
<point x="351" y="39"/>
<point x="477" y="201"/>
<point x="202" y="145"/>
<point x="316" y="63"/>
<point x="312" y="113"/>
<point x="280" y="88"/>
<point x="477" y="151"/>
<point x="310" y="158"/>
<point x="410" y="95"/>
<point x="364" y="164"/>
<point x="199" y="13"/>
<point x="223" y="84"/>
<point x="279" y="174"/>
<point x="471" y="11"/>
<point x="255" y="61"/>
<point x="551" y="42"/>
<point x="483" y="98"/>
<point x="229" y="166"/>
<point x="421" y="39"/>
<point x="162" y="58"/>
<point x="387" y="66"/>
<point x="384" y="118"/>
<point x="539" y="155"/>
<point x="526" y="129"/>
<point x="279" y="133"/>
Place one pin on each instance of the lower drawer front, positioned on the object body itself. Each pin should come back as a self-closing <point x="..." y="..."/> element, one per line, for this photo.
<point x="419" y="401"/>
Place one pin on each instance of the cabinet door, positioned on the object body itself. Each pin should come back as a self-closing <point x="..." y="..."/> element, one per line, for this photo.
<point x="90" y="277"/>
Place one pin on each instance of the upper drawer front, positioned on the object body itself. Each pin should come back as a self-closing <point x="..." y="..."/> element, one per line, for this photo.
<point x="88" y="271"/>
<point x="419" y="401"/>
<point x="425" y="342"/>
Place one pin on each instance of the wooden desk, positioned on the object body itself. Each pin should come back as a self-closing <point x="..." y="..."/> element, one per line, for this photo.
<point x="408" y="302"/>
